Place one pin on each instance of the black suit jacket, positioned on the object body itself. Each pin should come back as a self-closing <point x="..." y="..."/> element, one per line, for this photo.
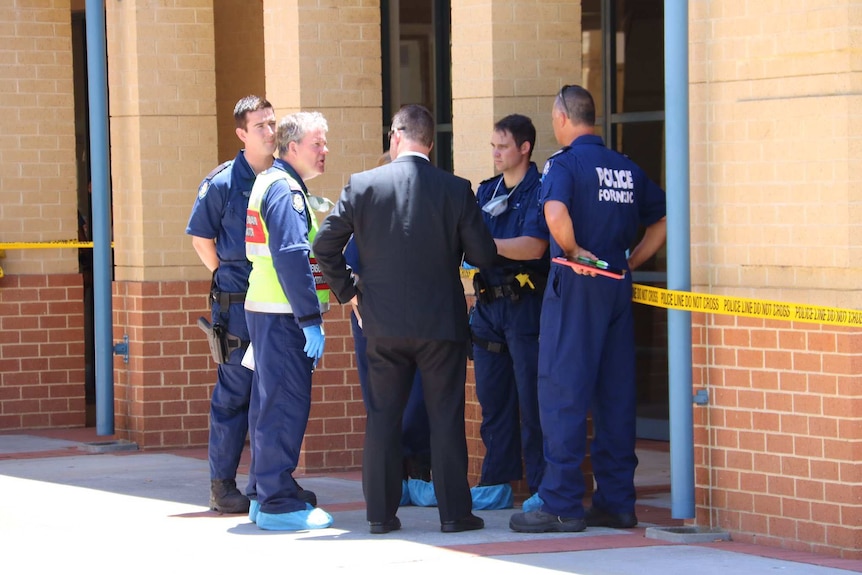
<point x="412" y="222"/>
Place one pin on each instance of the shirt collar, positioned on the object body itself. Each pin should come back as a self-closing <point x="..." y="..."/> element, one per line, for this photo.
<point x="412" y="153"/>
<point x="283" y="165"/>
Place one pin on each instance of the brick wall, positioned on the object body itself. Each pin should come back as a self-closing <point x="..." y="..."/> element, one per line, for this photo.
<point x="775" y="163"/>
<point x="336" y="425"/>
<point x="41" y="351"/>
<point x="38" y="196"/>
<point x="775" y="168"/>
<point x="490" y="43"/>
<point x="162" y="395"/>
<point x="778" y="451"/>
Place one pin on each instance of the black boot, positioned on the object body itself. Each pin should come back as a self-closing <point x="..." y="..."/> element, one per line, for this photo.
<point x="226" y="498"/>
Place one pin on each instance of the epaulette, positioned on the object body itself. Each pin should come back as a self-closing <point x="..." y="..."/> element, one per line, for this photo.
<point x="560" y="151"/>
<point x="217" y="169"/>
<point x="491" y="179"/>
<point x="205" y="184"/>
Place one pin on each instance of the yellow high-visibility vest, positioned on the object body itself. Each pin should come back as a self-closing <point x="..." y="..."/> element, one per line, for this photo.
<point x="264" y="290"/>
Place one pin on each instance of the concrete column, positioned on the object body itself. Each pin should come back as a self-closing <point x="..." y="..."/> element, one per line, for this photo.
<point x="161" y="76"/>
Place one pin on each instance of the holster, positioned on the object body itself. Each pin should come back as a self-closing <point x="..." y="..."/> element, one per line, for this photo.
<point x="222" y="343"/>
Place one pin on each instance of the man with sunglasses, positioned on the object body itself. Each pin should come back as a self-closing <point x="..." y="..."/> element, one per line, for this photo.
<point x="595" y="200"/>
<point x="505" y="319"/>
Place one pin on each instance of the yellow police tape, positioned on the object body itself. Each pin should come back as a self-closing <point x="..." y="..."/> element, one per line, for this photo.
<point x="726" y="305"/>
<point x="42" y="245"/>
<point x="45" y="245"/>
<point x="648" y="295"/>
<point x="763" y="309"/>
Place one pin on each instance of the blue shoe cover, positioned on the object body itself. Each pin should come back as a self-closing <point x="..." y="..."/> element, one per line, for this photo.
<point x="310" y="518"/>
<point x="422" y="493"/>
<point x="253" y="510"/>
<point x="534" y="503"/>
<point x="405" y="494"/>
<point x="492" y="496"/>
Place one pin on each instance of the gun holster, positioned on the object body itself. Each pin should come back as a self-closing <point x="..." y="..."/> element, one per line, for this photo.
<point x="222" y="343"/>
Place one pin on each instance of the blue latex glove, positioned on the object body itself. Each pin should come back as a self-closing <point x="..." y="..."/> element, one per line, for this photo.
<point x="314" y="340"/>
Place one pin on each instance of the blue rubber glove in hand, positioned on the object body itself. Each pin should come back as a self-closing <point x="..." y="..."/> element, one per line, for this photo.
<point x="314" y="341"/>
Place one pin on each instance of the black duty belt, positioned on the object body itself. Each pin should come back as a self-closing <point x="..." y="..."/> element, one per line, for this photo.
<point x="224" y="299"/>
<point x="514" y="286"/>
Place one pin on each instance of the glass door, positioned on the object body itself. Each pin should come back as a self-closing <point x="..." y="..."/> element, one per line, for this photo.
<point x="623" y="67"/>
<point x="417" y="65"/>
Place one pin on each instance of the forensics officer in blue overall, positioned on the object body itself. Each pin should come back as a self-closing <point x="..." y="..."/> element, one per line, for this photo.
<point x="286" y="299"/>
<point x="505" y="320"/>
<point x="217" y="227"/>
<point x="594" y="200"/>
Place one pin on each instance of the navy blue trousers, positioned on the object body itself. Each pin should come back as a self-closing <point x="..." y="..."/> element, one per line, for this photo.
<point x="230" y="398"/>
<point x="587" y="363"/>
<point x="278" y="413"/>
<point x="507" y="389"/>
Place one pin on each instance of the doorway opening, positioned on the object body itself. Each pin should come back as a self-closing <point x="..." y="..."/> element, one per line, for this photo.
<point x="623" y="67"/>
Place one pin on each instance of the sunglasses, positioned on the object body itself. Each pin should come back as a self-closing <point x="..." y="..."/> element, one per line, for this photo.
<point x="562" y="97"/>
<point x="393" y="130"/>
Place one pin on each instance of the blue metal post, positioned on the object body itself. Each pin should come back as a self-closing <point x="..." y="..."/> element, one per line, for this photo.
<point x="97" y="82"/>
<point x="678" y="257"/>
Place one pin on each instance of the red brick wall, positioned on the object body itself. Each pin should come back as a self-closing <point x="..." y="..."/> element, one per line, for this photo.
<point x="162" y="395"/>
<point x="778" y="450"/>
<point x="336" y="426"/>
<point x="41" y="351"/>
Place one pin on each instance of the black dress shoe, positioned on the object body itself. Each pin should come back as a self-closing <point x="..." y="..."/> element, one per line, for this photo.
<point x="381" y="527"/>
<point x="599" y="518"/>
<point x="468" y="523"/>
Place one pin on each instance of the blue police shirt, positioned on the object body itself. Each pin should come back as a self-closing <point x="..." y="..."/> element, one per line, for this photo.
<point x="607" y="196"/>
<point x="219" y="213"/>
<point x="523" y="217"/>
<point x="288" y="222"/>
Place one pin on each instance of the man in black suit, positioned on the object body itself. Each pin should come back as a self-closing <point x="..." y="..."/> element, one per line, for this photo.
<point x="412" y="222"/>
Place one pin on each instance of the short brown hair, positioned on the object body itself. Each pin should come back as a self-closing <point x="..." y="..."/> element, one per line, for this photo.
<point x="250" y="103"/>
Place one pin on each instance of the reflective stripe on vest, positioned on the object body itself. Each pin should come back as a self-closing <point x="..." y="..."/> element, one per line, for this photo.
<point x="264" y="290"/>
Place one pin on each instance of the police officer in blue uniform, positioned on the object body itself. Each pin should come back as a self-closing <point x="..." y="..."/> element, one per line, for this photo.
<point x="217" y="227"/>
<point x="284" y="305"/>
<point x="594" y="200"/>
<point x="505" y="320"/>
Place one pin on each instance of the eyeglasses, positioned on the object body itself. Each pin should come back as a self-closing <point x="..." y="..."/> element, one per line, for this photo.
<point x="393" y="130"/>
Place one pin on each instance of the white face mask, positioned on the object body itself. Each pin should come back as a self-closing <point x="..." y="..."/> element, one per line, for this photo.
<point x="320" y="204"/>
<point x="498" y="204"/>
